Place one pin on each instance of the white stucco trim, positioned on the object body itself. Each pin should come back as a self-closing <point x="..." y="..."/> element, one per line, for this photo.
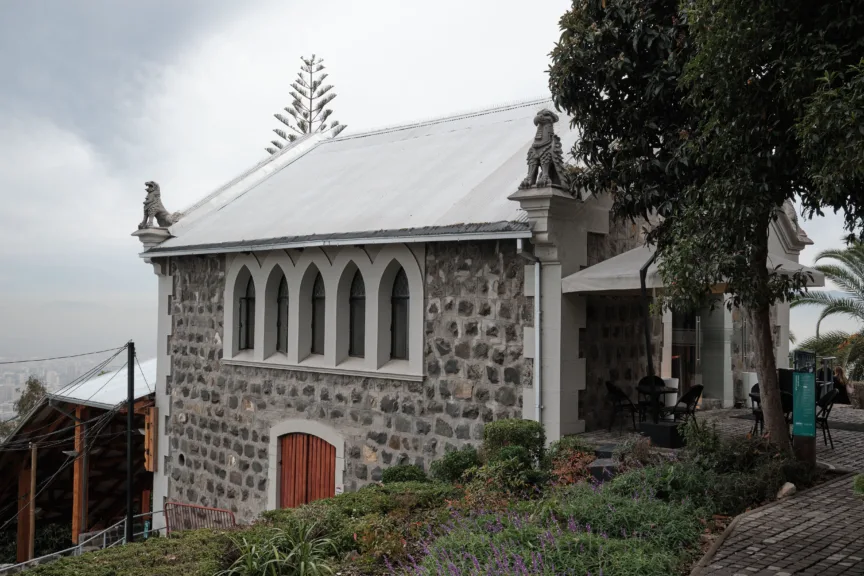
<point x="164" y="329"/>
<point x="300" y="425"/>
<point x="387" y="372"/>
<point x="337" y="267"/>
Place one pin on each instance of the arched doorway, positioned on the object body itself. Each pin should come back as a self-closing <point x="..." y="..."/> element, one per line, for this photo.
<point x="307" y="469"/>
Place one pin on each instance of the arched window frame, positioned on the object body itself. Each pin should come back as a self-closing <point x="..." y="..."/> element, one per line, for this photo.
<point x="282" y="303"/>
<point x="400" y="311"/>
<point x="246" y="326"/>
<point x="319" y="317"/>
<point x="357" y="317"/>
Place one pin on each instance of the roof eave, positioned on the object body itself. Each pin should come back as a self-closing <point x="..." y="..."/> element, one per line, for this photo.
<point x="406" y="239"/>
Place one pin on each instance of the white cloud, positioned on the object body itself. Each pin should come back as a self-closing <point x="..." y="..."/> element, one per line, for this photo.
<point x="206" y="115"/>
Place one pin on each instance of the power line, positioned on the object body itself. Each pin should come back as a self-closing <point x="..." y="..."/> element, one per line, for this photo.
<point x="18" y="445"/>
<point x="60" y="357"/>
<point x="67" y="389"/>
<point x="44" y="485"/>
<point x="149" y="389"/>
<point x="110" y="379"/>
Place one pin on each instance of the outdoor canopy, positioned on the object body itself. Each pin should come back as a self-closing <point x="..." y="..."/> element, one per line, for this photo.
<point x="621" y="273"/>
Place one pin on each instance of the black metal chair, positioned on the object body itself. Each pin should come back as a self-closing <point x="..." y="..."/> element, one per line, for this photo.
<point x="685" y="408"/>
<point x="645" y="400"/>
<point x="758" y="416"/>
<point x="825" y="404"/>
<point x="620" y="403"/>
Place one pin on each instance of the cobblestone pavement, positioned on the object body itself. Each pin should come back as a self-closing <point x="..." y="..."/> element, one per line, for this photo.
<point x="820" y="531"/>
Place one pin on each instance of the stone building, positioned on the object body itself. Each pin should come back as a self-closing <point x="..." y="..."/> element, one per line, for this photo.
<point x="353" y="303"/>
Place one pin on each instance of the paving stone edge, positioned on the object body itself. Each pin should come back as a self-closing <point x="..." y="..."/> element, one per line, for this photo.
<point x="709" y="555"/>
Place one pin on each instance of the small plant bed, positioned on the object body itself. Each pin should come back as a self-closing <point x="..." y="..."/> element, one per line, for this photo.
<point x="511" y="508"/>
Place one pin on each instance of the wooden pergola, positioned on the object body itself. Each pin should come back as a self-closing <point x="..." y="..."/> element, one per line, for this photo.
<point x="80" y="472"/>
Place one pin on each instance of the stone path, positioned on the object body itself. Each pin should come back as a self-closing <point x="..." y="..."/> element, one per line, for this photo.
<point x="820" y="531"/>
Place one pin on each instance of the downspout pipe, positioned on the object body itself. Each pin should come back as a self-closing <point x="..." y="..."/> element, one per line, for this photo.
<point x="520" y="249"/>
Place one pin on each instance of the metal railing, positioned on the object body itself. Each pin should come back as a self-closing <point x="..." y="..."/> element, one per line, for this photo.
<point x="111" y="536"/>
<point x="178" y="517"/>
<point x="192" y="517"/>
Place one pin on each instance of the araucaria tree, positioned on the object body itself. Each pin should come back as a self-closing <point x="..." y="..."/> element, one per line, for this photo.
<point x="690" y="115"/>
<point x="308" y="112"/>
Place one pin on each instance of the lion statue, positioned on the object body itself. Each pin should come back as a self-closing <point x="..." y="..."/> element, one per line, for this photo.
<point x="153" y="208"/>
<point x="545" y="157"/>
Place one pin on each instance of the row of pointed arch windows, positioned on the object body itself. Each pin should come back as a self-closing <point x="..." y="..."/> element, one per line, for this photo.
<point x="399" y="302"/>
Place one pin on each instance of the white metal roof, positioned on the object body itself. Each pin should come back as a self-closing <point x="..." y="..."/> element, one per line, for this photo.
<point x="110" y="389"/>
<point x="622" y="273"/>
<point x="445" y="172"/>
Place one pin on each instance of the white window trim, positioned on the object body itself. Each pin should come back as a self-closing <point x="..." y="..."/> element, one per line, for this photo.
<point x="337" y="272"/>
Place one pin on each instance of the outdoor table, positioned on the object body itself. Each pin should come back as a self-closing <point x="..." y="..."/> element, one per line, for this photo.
<point x="656" y="391"/>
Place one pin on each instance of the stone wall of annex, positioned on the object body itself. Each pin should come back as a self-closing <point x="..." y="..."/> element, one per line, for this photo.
<point x="614" y="349"/>
<point x="613" y="342"/>
<point x="221" y="415"/>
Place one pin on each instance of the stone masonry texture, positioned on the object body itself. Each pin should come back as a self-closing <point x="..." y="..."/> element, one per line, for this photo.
<point x="221" y="415"/>
<point x="614" y="348"/>
<point x="613" y="342"/>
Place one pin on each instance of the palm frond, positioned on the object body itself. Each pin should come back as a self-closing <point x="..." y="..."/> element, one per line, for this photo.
<point x="848" y="281"/>
<point x="852" y="256"/>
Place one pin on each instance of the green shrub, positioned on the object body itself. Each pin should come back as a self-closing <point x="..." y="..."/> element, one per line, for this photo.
<point x="380" y="537"/>
<point x="513" y="432"/>
<point x="404" y="473"/>
<point x="194" y="553"/>
<point x="518" y="453"/>
<point x="473" y="552"/>
<point x="668" y="524"/>
<point x="453" y="465"/>
<point x="722" y="476"/>
<point x="295" y="550"/>
<point x="636" y="453"/>
<point x="578" y="530"/>
<point x="858" y="484"/>
<point x="568" y="445"/>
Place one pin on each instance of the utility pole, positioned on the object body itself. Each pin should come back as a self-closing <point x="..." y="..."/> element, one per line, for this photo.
<point x="32" y="536"/>
<point x="130" y="423"/>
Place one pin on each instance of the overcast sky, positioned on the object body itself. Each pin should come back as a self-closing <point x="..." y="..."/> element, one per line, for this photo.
<point x="98" y="96"/>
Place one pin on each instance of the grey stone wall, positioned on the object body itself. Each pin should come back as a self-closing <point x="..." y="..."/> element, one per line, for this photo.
<point x="623" y="236"/>
<point x="614" y="350"/>
<point x="221" y="415"/>
<point x="613" y="343"/>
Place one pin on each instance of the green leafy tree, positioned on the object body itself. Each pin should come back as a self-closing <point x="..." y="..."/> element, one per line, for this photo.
<point x="848" y="274"/>
<point x="689" y="117"/>
<point x="308" y="112"/>
<point x="34" y="390"/>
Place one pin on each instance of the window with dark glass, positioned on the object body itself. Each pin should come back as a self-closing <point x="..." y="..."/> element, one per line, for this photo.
<point x="318" y="300"/>
<point x="247" y="317"/>
<point x="357" y="313"/>
<point x="282" y="317"/>
<point x="399" y="317"/>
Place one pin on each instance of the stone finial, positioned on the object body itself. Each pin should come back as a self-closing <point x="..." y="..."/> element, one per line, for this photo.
<point x="545" y="157"/>
<point x="153" y="208"/>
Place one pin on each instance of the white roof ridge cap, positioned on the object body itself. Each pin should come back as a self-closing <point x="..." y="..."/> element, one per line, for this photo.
<point x="387" y="128"/>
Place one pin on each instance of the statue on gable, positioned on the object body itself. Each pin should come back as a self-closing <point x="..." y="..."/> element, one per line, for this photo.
<point x="153" y="208"/>
<point x="545" y="157"/>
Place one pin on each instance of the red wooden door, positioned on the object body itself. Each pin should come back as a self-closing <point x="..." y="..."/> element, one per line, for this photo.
<point x="308" y="470"/>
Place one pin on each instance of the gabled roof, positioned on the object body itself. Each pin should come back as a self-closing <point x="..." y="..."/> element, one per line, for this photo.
<point x="109" y="389"/>
<point x="436" y="178"/>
